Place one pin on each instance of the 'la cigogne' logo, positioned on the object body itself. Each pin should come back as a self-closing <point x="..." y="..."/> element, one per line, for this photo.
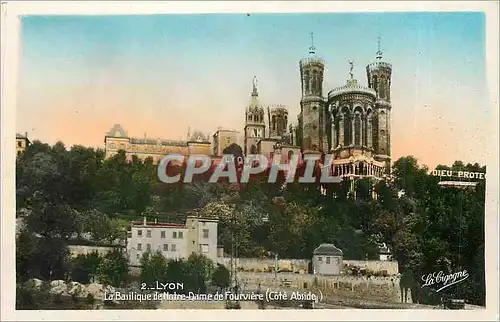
<point x="439" y="278"/>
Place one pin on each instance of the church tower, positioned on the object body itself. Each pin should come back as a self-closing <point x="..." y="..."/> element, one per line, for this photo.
<point x="278" y="121"/>
<point x="379" y="79"/>
<point x="255" y="125"/>
<point x="312" y="115"/>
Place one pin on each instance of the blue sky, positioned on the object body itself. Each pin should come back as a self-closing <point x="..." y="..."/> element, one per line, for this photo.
<point x="161" y="74"/>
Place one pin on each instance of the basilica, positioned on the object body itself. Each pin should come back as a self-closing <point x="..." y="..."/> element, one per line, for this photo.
<point x="352" y="122"/>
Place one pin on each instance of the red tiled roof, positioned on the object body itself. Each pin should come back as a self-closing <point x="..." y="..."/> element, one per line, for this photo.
<point x="158" y="224"/>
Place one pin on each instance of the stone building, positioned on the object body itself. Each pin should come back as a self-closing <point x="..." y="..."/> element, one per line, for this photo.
<point x="174" y="241"/>
<point x="273" y="138"/>
<point x="352" y="122"/>
<point x="327" y="260"/>
<point x="222" y="139"/>
<point x="255" y="124"/>
<point x="117" y="139"/>
<point x="22" y="142"/>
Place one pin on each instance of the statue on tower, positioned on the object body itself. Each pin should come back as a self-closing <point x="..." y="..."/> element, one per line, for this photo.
<point x="255" y="83"/>
<point x="351" y="63"/>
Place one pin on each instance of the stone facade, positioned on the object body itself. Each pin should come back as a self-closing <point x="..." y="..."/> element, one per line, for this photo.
<point x="255" y="124"/>
<point x="359" y="287"/>
<point x="117" y="139"/>
<point x="222" y="139"/>
<point x="352" y="122"/>
<point x="301" y="266"/>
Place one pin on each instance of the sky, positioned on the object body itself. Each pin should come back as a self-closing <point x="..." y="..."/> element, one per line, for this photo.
<point x="162" y="74"/>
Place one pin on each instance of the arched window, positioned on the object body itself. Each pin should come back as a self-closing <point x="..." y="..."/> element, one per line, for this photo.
<point x="382" y="87"/>
<point x="357" y="129"/>
<point x="306" y="81"/>
<point x="314" y="86"/>
<point x="253" y="149"/>
<point x="375" y="83"/>
<point x="347" y="130"/>
<point x="320" y="82"/>
<point x="273" y="122"/>
<point x="250" y="117"/>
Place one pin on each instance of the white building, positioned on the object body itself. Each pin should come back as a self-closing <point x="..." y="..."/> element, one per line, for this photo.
<point x="384" y="253"/>
<point x="327" y="260"/>
<point x="175" y="241"/>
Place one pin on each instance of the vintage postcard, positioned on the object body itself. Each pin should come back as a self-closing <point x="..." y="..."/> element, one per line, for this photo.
<point x="247" y="156"/>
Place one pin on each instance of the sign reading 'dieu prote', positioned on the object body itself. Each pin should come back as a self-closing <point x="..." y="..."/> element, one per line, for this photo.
<point x="459" y="174"/>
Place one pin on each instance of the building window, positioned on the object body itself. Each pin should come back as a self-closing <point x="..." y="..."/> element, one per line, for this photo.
<point x="165" y="247"/>
<point x="181" y="235"/>
<point x="205" y="233"/>
<point x="204" y="249"/>
<point x="320" y="259"/>
<point x="174" y="235"/>
<point x="148" y="247"/>
<point x="18" y="153"/>
<point x="137" y="256"/>
<point x="174" y="248"/>
<point x="148" y="233"/>
<point x="347" y="131"/>
<point x="19" y="144"/>
<point x="357" y="129"/>
<point x="314" y="86"/>
<point x="139" y="246"/>
<point x="139" y="233"/>
<point x="163" y="234"/>
<point x="328" y="260"/>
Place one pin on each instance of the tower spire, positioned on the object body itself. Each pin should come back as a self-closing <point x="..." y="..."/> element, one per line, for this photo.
<point x="379" y="52"/>
<point x="312" y="49"/>
<point x="254" y="83"/>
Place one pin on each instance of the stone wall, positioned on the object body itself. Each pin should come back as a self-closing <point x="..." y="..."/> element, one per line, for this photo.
<point x="76" y="250"/>
<point x="267" y="264"/>
<point x="391" y="267"/>
<point x="301" y="265"/>
<point x="385" y="289"/>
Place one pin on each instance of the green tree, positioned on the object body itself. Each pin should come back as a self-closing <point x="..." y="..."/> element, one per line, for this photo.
<point x="153" y="268"/>
<point x="25" y="256"/>
<point x="220" y="277"/>
<point x="114" y="268"/>
<point x="85" y="267"/>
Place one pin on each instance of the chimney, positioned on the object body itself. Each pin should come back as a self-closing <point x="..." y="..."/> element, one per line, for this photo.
<point x="145" y="222"/>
